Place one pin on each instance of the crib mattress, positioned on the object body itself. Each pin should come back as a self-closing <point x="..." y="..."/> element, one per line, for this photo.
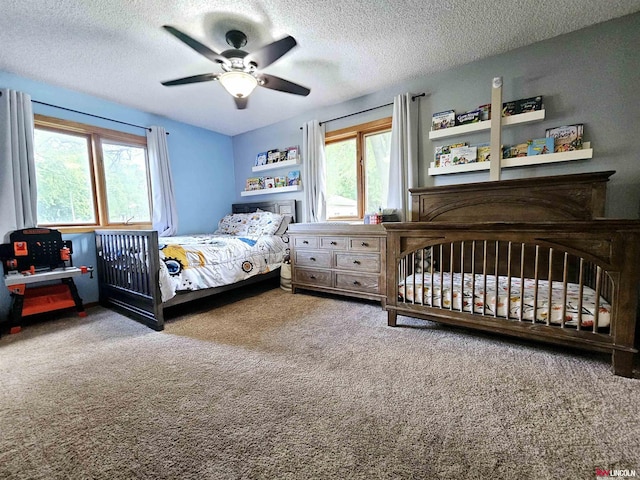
<point x="459" y="293"/>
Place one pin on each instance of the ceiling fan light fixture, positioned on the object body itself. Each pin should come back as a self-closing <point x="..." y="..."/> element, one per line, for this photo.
<point x="238" y="84"/>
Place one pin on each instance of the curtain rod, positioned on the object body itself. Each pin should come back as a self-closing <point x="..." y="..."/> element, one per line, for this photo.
<point x="92" y="115"/>
<point x="368" y="110"/>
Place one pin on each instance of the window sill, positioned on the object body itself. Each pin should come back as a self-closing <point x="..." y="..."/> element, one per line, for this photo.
<point x="91" y="229"/>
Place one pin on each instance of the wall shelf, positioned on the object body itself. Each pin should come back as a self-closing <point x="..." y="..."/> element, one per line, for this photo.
<point x="528" y="117"/>
<point x="583" y="154"/>
<point x="265" y="191"/>
<point x="273" y="166"/>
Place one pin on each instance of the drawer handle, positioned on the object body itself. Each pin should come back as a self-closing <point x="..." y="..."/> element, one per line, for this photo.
<point x="364" y="244"/>
<point x="305" y="242"/>
<point x="313" y="259"/>
<point x="312" y="277"/>
<point x="356" y="282"/>
<point x="333" y="243"/>
<point x="357" y="262"/>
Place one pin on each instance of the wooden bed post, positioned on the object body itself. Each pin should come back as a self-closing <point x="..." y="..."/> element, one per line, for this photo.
<point x="393" y="246"/>
<point x="627" y="247"/>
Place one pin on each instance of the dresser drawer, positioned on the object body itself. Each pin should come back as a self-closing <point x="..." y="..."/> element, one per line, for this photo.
<point x="365" y="244"/>
<point x="305" y="242"/>
<point x="308" y="276"/>
<point x="360" y="283"/>
<point x="358" y="262"/>
<point x="336" y="243"/>
<point x="313" y="258"/>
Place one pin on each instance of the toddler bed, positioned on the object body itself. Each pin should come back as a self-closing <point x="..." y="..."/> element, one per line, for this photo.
<point x="141" y="274"/>
<point x="528" y="258"/>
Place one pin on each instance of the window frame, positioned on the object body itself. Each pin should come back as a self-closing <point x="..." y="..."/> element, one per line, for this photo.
<point x="358" y="132"/>
<point x="95" y="136"/>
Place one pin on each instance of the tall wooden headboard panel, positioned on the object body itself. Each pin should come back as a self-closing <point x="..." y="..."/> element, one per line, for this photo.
<point x="562" y="197"/>
<point x="283" y="207"/>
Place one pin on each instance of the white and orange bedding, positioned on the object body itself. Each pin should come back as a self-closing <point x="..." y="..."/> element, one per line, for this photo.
<point x="462" y="294"/>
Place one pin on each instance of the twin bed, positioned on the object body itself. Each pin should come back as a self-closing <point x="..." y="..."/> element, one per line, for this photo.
<point x="141" y="274"/>
<point x="531" y="258"/>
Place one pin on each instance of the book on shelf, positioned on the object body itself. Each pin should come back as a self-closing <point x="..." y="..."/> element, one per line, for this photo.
<point x="444" y="160"/>
<point x="468" y="117"/>
<point x="273" y="156"/>
<point x="254" y="183"/>
<point x="292" y="153"/>
<point x="527" y="105"/>
<point x="567" y="137"/>
<point x="445" y="150"/>
<point x="463" y="155"/>
<point x="485" y="111"/>
<point x="261" y="159"/>
<point x="514" y="151"/>
<point x="293" y="177"/>
<point x="509" y="108"/>
<point x="483" y="152"/>
<point x="540" y="146"/>
<point x="444" y="119"/>
<point x="280" y="181"/>
<point x="269" y="182"/>
<point x="524" y="105"/>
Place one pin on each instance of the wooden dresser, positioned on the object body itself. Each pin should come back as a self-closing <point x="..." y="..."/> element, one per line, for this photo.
<point x="343" y="259"/>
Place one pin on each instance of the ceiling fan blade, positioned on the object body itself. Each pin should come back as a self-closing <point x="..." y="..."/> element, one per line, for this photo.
<point x="241" y="103"/>
<point x="270" y="53"/>
<point x="196" y="45"/>
<point x="277" y="83"/>
<point x="205" y="77"/>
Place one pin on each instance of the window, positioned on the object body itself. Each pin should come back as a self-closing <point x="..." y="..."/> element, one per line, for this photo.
<point x="90" y="177"/>
<point x="357" y="169"/>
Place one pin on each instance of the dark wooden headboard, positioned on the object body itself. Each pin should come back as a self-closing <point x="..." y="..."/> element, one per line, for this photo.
<point x="562" y="197"/>
<point x="283" y="207"/>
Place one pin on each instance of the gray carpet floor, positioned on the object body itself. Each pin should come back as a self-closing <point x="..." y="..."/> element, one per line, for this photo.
<point x="263" y="384"/>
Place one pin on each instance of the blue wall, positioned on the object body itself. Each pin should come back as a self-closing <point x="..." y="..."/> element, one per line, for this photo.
<point x="590" y="76"/>
<point x="201" y="164"/>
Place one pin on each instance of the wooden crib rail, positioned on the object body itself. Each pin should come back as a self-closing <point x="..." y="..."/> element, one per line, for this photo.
<point x="603" y="255"/>
<point x="501" y="262"/>
<point x="128" y="273"/>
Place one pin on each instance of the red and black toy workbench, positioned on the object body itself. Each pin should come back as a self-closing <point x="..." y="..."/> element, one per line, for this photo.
<point x="39" y="274"/>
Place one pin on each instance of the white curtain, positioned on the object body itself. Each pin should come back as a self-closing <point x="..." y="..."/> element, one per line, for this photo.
<point x="164" y="212"/>
<point x="18" y="196"/>
<point x="403" y="165"/>
<point x="313" y="181"/>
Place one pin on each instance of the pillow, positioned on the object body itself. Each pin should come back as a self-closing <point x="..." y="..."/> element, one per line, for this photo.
<point x="263" y="223"/>
<point x="286" y="220"/>
<point x="233" y="224"/>
<point x="251" y="224"/>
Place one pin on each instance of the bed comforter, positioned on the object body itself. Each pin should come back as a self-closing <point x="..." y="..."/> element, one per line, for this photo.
<point x="204" y="261"/>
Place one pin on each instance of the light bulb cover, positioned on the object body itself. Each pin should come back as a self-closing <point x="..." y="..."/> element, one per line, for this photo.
<point x="238" y="84"/>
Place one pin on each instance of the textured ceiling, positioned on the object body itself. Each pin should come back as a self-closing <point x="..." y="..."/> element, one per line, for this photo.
<point x="117" y="50"/>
